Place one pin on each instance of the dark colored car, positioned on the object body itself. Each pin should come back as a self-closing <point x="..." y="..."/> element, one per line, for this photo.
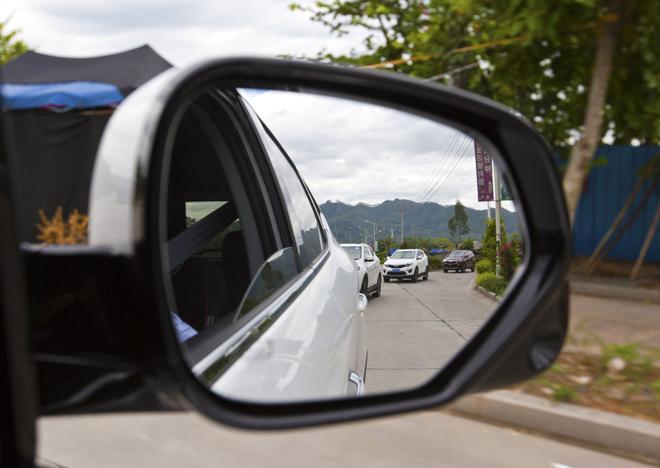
<point x="458" y="260"/>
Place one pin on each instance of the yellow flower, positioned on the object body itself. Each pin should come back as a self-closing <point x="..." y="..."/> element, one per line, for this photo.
<point x="57" y="231"/>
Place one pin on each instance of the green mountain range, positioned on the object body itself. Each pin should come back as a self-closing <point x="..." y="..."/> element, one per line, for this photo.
<point x="428" y="219"/>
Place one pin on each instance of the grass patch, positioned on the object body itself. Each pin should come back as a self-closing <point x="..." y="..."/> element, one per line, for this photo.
<point x="584" y="378"/>
<point x="491" y="282"/>
<point x="565" y="394"/>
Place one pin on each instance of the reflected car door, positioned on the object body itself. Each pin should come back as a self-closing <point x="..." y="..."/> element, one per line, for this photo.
<point x="372" y="266"/>
<point x="423" y="261"/>
<point x="318" y="339"/>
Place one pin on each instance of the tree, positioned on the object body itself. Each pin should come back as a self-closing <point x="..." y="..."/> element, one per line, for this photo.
<point x="10" y="46"/>
<point x="509" y="251"/>
<point x="458" y="224"/>
<point x="443" y="243"/>
<point x="577" y="69"/>
<point x="467" y="244"/>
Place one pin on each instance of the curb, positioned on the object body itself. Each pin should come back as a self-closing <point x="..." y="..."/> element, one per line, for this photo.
<point x="613" y="291"/>
<point x="490" y="295"/>
<point x="608" y="431"/>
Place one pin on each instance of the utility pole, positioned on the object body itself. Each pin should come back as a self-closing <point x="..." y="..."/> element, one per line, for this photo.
<point x="392" y="234"/>
<point x="498" y="206"/>
<point x="401" y="242"/>
<point x="488" y="205"/>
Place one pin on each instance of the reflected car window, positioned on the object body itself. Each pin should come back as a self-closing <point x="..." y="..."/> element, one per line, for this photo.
<point x="354" y="252"/>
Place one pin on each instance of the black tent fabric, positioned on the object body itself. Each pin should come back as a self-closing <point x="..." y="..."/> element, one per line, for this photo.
<point x="55" y="151"/>
<point x="126" y="70"/>
<point x="55" y="163"/>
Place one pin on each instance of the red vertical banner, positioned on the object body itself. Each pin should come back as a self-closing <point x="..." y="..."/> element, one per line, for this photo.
<point x="484" y="173"/>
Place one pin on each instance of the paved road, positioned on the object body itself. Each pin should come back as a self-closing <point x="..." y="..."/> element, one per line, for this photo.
<point x="615" y="321"/>
<point x="415" y="328"/>
<point x="187" y="440"/>
<point x="432" y="318"/>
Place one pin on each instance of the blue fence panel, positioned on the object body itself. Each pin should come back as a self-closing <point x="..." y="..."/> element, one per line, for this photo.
<point x="606" y="191"/>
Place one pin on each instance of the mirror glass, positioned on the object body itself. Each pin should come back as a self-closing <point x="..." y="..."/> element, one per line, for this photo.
<point x="318" y="247"/>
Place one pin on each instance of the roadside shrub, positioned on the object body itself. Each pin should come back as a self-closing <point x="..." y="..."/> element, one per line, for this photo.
<point x="485" y="265"/>
<point x="509" y="260"/>
<point x="565" y="394"/>
<point x="467" y="244"/>
<point x="492" y="283"/>
<point x="435" y="263"/>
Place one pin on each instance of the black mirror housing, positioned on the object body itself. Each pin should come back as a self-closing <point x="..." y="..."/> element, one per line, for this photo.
<point x="522" y="339"/>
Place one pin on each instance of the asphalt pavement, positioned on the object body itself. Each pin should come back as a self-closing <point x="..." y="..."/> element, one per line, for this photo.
<point x="188" y="440"/>
<point x="413" y="329"/>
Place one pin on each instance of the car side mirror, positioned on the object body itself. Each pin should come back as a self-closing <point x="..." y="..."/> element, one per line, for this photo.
<point x="369" y="259"/>
<point x="251" y="314"/>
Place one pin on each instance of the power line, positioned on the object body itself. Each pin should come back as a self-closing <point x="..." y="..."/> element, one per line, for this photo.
<point x="460" y="151"/>
<point x="446" y="176"/>
<point x="451" y="156"/>
<point x="435" y="172"/>
<point x="460" y="164"/>
<point x="451" y="159"/>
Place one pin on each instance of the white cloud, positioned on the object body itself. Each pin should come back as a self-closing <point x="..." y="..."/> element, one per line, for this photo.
<point x="180" y="31"/>
<point x="357" y="152"/>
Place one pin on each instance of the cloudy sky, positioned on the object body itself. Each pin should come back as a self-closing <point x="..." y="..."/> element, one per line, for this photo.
<point x="181" y="31"/>
<point x="346" y="151"/>
<point x="357" y="152"/>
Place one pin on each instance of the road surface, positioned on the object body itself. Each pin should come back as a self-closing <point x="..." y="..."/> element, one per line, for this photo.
<point x="428" y="320"/>
<point x="188" y="440"/>
<point x="414" y="329"/>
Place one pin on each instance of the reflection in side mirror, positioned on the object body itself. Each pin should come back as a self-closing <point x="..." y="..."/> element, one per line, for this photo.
<point x="279" y="308"/>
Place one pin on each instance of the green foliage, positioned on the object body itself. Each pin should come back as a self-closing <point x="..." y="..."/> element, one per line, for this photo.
<point x="10" y="46"/>
<point x="458" y="224"/>
<point x="564" y="393"/>
<point x="509" y="260"/>
<point x="557" y="368"/>
<point x="429" y="221"/>
<point x="491" y="282"/>
<point x="467" y="244"/>
<point x="435" y="263"/>
<point x="489" y="241"/>
<point x="485" y="265"/>
<point x="427" y="243"/>
<point x="655" y="386"/>
<point x="517" y="244"/>
<point x="638" y="364"/>
<point x="508" y="253"/>
<point x="535" y="56"/>
<point x="443" y="243"/>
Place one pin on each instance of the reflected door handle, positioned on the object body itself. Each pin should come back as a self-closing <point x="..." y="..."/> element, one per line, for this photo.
<point x="357" y="380"/>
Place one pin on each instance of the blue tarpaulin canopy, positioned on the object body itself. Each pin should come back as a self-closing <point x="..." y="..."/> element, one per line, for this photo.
<point x="60" y="96"/>
<point x="36" y="81"/>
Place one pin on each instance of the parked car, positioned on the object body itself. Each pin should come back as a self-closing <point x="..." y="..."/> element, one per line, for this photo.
<point x="458" y="260"/>
<point x="406" y="264"/>
<point x="370" y="273"/>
